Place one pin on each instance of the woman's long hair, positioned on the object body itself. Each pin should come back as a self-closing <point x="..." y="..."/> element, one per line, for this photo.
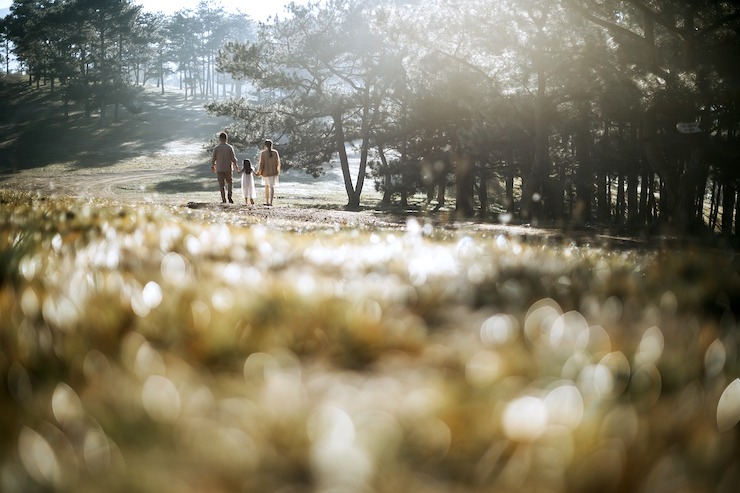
<point x="268" y="144"/>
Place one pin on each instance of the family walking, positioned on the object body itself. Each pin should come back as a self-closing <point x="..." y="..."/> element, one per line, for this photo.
<point x="268" y="167"/>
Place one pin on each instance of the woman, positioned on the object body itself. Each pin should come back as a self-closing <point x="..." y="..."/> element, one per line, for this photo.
<point x="269" y="170"/>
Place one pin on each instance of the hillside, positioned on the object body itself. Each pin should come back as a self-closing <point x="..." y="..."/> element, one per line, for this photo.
<point x="159" y="154"/>
<point x="35" y="132"/>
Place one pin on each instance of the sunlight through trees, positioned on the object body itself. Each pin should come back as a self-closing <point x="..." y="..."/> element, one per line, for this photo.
<point x="566" y="112"/>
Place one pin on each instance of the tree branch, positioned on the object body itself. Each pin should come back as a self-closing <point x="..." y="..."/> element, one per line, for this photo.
<point x="617" y="29"/>
<point x="655" y="17"/>
<point x="720" y="23"/>
<point x="609" y="26"/>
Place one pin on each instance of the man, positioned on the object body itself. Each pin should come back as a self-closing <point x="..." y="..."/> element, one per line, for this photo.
<point x="223" y="157"/>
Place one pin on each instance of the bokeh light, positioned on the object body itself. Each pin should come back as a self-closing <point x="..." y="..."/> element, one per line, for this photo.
<point x="152" y="350"/>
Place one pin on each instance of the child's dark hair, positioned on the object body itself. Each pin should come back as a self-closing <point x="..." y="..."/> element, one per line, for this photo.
<point x="247" y="166"/>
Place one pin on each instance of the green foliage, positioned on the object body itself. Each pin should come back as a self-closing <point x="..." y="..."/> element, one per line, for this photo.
<point x="146" y="349"/>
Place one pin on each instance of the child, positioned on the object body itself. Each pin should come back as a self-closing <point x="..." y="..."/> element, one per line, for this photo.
<point x="248" y="182"/>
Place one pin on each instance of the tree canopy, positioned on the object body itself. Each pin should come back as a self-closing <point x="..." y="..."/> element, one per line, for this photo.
<point x="100" y="51"/>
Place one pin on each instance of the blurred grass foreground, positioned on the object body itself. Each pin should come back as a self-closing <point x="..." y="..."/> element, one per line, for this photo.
<point x="157" y="349"/>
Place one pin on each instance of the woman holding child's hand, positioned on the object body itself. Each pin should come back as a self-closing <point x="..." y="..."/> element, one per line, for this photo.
<point x="269" y="170"/>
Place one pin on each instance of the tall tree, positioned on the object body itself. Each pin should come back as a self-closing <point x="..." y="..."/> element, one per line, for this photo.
<point x="146" y="57"/>
<point x="455" y="92"/>
<point x="81" y="43"/>
<point x="672" y="48"/>
<point x="323" y="76"/>
<point x="5" y="41"/>
<point x="108" y="25"/>
<point x="183" y="32"/>
<point x="26" y="30"/>
<point x="195" y="38"/>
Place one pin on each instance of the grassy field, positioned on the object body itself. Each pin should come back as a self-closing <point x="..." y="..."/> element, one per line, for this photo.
<point x="152" y="340"/>
<point x="156" y="348"/>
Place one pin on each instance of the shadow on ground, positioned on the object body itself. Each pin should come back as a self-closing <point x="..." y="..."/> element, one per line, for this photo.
<point x="184" y="185"/>
<point x="34" y="131"/>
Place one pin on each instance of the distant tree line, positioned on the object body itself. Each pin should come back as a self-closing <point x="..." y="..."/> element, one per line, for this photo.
<point x="618" y="112"/>
<point x="100" y="52"/>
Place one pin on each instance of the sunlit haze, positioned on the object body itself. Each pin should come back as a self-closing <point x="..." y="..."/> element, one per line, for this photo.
<point x="258" y="9"/>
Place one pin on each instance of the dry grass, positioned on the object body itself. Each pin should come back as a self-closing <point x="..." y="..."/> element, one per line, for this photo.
<point x="153" y="347"/>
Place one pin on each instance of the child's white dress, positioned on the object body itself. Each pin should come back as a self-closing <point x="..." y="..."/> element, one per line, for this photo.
<point x="248" y="190"/>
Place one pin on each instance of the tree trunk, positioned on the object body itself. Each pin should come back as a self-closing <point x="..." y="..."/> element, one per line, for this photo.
<point x="621" y="206"/>
<point x="209" y="87"/>
<point x="343" y="159"/>
<point x="541" y="164"/>
<point x="387" y="177"/>
<point x="353" y="192"/>
<point x="465" y="179"/>
<point x="652" y="207"/>
<point x="6" y="44"/>
<point x="585" y="171"/>
<point x="441" y="189"/>
<point x="364" y="150"/>
<point x="633" y="210"/>
<point x="509" y="158"/>
<point x="737" y="214"/>
<point x="728" y="208"/>
<point x="669" y="208"/>
<point x="714" y="205"/>
<point x="161" y="71"/>
<point x="686" y="211"/>
<point x="644" y="189"/>
<point x="483" y="192"/>
<point x="603" y="202"/>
